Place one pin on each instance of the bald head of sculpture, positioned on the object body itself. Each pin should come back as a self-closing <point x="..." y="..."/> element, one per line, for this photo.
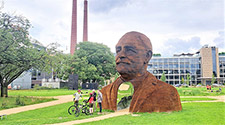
<point x="134" y="50"/>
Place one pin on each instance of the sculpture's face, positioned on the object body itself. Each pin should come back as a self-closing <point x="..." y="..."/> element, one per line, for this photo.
<point x="130" y="58"/>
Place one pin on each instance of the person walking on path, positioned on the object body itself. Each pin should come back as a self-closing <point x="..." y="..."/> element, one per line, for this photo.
<point x="91" y="101"/>
<point x="94" y="103"/>
<point x="99" y="100"/>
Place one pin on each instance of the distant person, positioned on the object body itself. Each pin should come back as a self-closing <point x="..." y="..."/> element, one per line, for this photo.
<point x="94" y="95"/>
<point x="91" y="101"/>
<point x="99" y="100"/>
<point x="76" y="97"/>
<point x="207" y="87"/>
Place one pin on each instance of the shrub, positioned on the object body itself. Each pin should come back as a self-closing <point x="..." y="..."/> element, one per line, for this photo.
<point x="19" y="101"/>
<point x="4" y="104"/>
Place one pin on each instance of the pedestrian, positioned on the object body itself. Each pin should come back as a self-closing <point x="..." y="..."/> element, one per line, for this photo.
<point x="99" y="100"/>
<point x="91" y="101"/>
<point x="94" y="95"/>
<point x="76" y="97"/>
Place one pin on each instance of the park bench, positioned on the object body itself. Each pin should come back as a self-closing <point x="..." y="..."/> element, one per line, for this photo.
<point x="3" y="116"/>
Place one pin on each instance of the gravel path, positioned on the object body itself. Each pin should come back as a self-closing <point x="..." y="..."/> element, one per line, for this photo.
<point x="118" y="113"/>
<point x="218" y="98"/>
<point x="124" y="87"/>
<point x="61" y="99"/>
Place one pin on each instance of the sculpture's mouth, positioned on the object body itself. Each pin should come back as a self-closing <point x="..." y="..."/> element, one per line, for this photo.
<point x="117" y="63"/>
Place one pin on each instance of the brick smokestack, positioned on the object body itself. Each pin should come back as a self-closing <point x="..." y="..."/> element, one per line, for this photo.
<point x="85" y="30"/>
<point x="73" y="42"/>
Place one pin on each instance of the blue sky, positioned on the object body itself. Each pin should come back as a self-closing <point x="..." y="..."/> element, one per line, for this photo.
<point x="174" y="26"/>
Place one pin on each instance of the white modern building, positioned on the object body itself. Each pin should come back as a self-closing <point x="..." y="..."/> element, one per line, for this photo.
<point x="201" y="66"/>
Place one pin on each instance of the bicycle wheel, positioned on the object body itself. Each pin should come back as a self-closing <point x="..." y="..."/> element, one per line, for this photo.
<point x="86" y="111"/>
<point x="77" y="112"/>
<point x="71" y="109"/>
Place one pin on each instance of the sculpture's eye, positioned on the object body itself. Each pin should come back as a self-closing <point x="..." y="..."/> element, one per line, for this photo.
<point x="130" y="49"/>
<point x="118" y="49"/>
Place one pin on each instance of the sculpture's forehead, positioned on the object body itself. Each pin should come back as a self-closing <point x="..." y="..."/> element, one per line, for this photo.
<point x="132" y="43"/>
<point x="137" y="40"/>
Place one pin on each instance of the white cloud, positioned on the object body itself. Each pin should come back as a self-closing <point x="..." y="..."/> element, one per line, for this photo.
<point x="161" y="21"/>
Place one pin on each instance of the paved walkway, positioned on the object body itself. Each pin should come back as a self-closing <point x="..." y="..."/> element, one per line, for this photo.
<point x="118" y="113"/>
<point x="60" y="99"/>
<point x="218" y="98"/>
<point x="124" y="87"/>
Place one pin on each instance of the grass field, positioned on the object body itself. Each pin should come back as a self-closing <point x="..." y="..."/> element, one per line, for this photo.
<point x="50" y="92"/>
<point x="199" y="91"/>
<point x="196" y="99"/>
<point x="48" y="115"/>
<point x="192" y="114"/>
<point x="57" y="92"/>
<point x="11" y="102"/>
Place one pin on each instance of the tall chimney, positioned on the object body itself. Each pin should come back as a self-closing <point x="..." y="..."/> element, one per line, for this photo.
<point x="73" y="42"/>
<point x="85" y="30"/>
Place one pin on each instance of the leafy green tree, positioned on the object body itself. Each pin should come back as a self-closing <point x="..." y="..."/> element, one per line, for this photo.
<point x="182" y="80"/>
<point x="91" y="61"/>
<point x="163" y="77"/>
<point x="188" y="79"/>
<point x="17" y="53"/>
<point x="213" y="79"/>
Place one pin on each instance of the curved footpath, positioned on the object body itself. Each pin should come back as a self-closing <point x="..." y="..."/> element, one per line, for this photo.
<point x="218" y="98"/>
<point x="68" y="98"/>
<point x="118" y="113"/>
<point x="60" y="99"/>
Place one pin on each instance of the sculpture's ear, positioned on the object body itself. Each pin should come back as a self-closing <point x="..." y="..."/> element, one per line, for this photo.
<point x="148" y="56"/>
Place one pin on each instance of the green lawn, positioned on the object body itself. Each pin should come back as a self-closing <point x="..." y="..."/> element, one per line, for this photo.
<point x="50" y="92"/>
<point x="196" y="99"/>
<point x="199" y="91"/>
<point x="47" y="115"/>
<point x="57" y="92"/>
<point x="192" y="114"/>
<point x="11" y="102"/>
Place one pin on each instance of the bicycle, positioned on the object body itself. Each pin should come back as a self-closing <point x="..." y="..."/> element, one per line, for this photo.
<point x="75" y="109"/>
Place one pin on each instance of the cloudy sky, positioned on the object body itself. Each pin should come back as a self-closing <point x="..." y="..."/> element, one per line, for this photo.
<point x="174" y="26"/>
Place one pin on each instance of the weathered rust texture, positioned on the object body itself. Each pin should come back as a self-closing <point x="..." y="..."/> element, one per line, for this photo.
<point x="134" y="50"/>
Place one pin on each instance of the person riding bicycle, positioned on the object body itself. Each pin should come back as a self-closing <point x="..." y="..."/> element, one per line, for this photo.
<point x="76" y="97"/>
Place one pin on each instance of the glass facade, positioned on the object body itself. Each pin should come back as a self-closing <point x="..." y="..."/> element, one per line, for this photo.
<point x="214" y="61"/>
<point x="175" y="68"/>
<point x="222" y="68"/>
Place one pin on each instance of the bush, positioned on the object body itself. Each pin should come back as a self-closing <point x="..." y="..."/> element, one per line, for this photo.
<point x="19" y="101"/>
<point x="4" y="104"/>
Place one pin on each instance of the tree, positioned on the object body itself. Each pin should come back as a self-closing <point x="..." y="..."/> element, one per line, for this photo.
<point x="188" y="79"/>
<point x="163" y="77"/>
<point x="91" y="61"/>
<point x="213" y="79"/>
<point x="182" y="80"/>
<point x="17" y="53"/>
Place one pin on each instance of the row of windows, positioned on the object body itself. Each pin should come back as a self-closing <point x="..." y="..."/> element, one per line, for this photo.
<point x="165" y="60"/>
<point x="155" y="66"/>
<point x="198" y="71"/>
<point x="222" y="59"/>
<point x="176" y="77"/>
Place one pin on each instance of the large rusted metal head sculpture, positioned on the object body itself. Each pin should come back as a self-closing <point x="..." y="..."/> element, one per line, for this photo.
<point x="134" y="50"/>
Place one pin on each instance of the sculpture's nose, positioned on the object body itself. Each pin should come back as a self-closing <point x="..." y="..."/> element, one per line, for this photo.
<point x="121" y="54"/>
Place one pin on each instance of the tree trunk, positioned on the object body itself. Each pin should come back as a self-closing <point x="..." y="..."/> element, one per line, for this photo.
<point x="4" y="91"/>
